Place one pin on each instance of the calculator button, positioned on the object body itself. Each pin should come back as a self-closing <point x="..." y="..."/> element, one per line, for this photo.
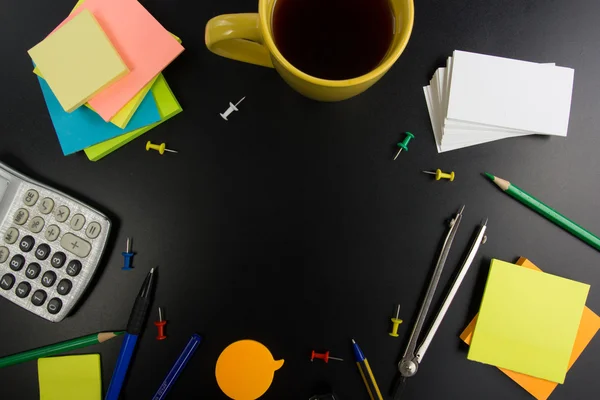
<point x="31" y="196"/>
<point x="17" y="262"/>
<point x="39" y="297"/>
<point x="7" y="282"/>
<point x="4" y="253"/>
<point x="64" y="287"/>
<point x="52" y="233"/>
<point x="21" y="216"/>
<point x="33" y="270"/>
<point x="46" y="205"/>
<point x="42" y="252"/>
<point x="93" y="230"/>
<point x="77" y="222"/>
<point x="12" y="234"/>
<point x="75" y="245"/>
<point x="48" y="278"/>
<point x="36" y="224"/>
<point x="73" y="267"/>
<point x="58" y="259"/>
<point x="27" y="243"/>
<point x="23" y="289"/>
<point x="54" y="306"/>
<point x="62" y="213"/>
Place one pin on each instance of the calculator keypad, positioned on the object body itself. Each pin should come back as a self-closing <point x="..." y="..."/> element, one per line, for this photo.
<point x="4" y="253"/>
<point x="11" y="236"/>
<point x="38" y="298"/>
<point x="27" y="243"/>
<point x="33" y="270"/>
<point x="58" y="259"/>
<point x="46" y="206"/>
<point x="23" y="289"/>
<point x="31" y="197"/>
<point x="7" y="281"/>
<point x="50" y="246"/>
<point x="54" y="306"/>
<point x="17" y="262"/>
<point x="36" y="224"/>
<point x="52" y="233"/>
<point x="62" y="213"/>
<point x="21" y="216"/>
<point x="42" y="252"/>
<point x="75" y="245"/>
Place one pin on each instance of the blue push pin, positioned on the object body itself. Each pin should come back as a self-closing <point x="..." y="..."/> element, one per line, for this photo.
<point x="127" y="256"/>
<point x="404" y="144"/>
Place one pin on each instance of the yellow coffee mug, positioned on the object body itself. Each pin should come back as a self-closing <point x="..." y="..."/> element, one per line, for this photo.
<point x="249" y="38"/>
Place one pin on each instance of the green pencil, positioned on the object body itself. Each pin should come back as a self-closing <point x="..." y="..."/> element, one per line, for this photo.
<point x="546" y="211"/>
<point x="57" y="348"/>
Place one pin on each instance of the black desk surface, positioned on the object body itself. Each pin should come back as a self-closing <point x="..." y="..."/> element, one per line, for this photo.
<point x="291" y="225"/>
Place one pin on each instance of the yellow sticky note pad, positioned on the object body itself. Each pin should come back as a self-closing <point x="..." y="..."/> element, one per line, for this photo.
<point x="70" y="377"/>
<point x="78" y="61"/>
<point x="528" y="321"/>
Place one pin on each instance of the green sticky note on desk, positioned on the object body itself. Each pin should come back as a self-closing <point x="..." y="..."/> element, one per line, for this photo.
<point x="168" y="107"/>
<point x="70" y="378"/>
<point x="528" y="321"/>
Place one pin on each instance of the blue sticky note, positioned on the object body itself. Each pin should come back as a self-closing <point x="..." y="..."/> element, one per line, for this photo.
<point x="84" y="128"/>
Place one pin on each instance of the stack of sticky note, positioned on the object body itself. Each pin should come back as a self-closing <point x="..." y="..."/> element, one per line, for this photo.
<point x="531" y="325"/>
<point x="100" y="72"/>
<point x="479" y="98"/>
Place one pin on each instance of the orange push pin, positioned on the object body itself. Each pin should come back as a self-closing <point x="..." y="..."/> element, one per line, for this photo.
<point x="161" y="148"/>
<point x="441" y="175"/>
<point x="160" y="324"/>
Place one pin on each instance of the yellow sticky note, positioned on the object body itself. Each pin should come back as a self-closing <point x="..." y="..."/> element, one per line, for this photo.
<point x="70" y="378"/>
<point x="528" y="321"/>
<point x="541" y="389"/>
<point x="78" y="61"/>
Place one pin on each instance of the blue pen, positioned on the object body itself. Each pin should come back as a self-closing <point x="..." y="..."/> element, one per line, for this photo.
<point x="366" y="373"/>
<point x="179" y="365"/>
<point x="137" y="321"/>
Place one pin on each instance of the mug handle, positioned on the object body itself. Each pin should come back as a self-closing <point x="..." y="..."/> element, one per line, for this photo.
<point x="237" y="36"/>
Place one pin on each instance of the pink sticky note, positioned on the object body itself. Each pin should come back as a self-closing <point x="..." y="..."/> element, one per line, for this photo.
<point x="142" y="42"/>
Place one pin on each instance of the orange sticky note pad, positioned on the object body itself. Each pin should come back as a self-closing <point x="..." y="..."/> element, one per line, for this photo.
<point x="539" y="388"/>
<point x="245" y="370"/>
<point x="143" y="43"/>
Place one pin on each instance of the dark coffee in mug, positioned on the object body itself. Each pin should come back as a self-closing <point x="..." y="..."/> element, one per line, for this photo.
<point x="333" y="39"/>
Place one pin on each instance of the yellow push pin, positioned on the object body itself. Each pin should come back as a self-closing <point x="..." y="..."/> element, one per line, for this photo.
<point x="441" y="175"/>
<point x="396" y="322"/>
<point x="161" y="148"/>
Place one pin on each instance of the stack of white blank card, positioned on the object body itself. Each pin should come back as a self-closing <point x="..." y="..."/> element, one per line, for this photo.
<point x="479" y="98"/>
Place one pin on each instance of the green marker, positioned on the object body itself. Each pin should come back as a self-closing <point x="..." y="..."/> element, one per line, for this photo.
<point x="57" y="348"/>
<point x="546" y="211"/>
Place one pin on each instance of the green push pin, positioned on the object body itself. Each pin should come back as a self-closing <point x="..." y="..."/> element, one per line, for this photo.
<point x="404" y="144"/>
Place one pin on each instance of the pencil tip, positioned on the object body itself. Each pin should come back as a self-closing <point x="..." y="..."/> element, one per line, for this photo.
<point x="353" y="341"/>
<point x="489" y="176"/>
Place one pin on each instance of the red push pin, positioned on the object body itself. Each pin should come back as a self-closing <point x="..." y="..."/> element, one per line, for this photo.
<point x="323" y="356"/>
<point x="160" y="324"/>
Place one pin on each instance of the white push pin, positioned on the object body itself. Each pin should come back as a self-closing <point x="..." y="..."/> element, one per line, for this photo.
<point x="232" y="108"/>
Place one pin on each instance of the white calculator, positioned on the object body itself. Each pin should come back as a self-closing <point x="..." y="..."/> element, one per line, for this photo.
<point x="50" y="245"/>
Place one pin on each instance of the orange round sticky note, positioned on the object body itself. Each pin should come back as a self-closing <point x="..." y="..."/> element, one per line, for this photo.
<point x="245" y="370"/>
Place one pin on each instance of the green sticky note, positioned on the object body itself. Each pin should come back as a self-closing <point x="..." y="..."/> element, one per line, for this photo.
<point x="168" y="107"/>
<point x="528" y="321"/>
<point x="70" y="378"/>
